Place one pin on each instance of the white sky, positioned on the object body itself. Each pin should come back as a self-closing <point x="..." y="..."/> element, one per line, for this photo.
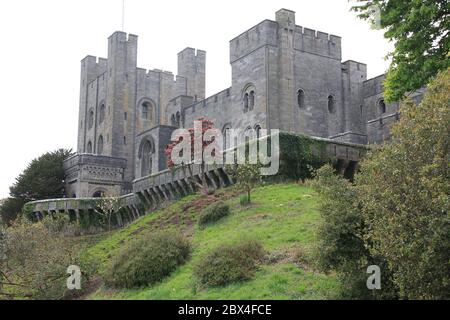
<point x="43" y="42"/>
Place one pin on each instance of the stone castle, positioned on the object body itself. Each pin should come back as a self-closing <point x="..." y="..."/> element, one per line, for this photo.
<point x="284" y="76"/>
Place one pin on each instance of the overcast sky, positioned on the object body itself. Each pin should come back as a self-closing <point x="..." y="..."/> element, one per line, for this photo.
<point x="43" y="42"/>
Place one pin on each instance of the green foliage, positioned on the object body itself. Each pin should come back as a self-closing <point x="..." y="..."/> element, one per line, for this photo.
<point x="247" y="176"/>
<point x="42" y="179"/>
<point x="243" y="200"/>
<point x="300" y="154"/>
<point x="10" y="209"/>
<point x="396" y="215"/>
<point x="34" y="261"/>
<point x="404" y="190"/>
<point x="341" y="246"/>
<point x="419" y="30"/>
<point x="108" y="207"/>
<point x="214" y="213"/>
<point x="148" y="260"/>
<point x="229" y="263"/>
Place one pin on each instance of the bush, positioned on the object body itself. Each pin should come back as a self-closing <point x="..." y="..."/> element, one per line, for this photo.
<point x="342" y="233"/>
<point x="34" y="261"/>
<point x="147" y="261"/>
<point x="214" y="213"/>
<point x="229" y="263"/>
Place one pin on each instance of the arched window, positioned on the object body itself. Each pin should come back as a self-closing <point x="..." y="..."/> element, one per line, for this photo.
<point x="251" y="99"/>
<point x="145" y="111"/>
<point x="173" y="121"/>
<point x="146" y="152"/>
<point x="178" y="119"/>
<point x="100" y="145"/>
<point x="226" y="135"/>
<point x="91" y="119"/>
<point x="102" y="114"/>
<point x="258" y="131"/>
<point x="249" y="96"/>
<point x="301" y="98"/>
<point x="331" y="104"/>
<point x="382" y="106"/>
<point x="246" y="102"/>
<point x="89" y="147"/>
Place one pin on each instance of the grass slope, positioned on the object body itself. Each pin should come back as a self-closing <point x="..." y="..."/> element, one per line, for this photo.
<point x="283" y="217"/>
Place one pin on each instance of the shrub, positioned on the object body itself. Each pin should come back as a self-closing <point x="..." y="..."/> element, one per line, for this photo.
<point x="404" y="190"/>
<point x="147" y="261"/>
<point x="342" y="233"/>
<point x="229" y="263"/>
<point x="34" y="261"/>
<point x="214" y="213"/>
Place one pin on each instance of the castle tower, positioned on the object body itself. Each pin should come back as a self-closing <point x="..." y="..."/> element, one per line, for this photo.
<point x="192" y="66"/>
<point x="286" y="81"/>
<point x="120" y="100"/>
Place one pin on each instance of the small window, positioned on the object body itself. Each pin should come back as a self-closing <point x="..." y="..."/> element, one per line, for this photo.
<point x="249" y="96"/>
<point x="125" y="140"/>
<point x="301" y="98"/>
<point x="178" y="119"/>
<point x="382" y="106"/>
<point x="331" y="104"/>
<point x="251" y="101"/>
<point x="246" y="100"/>
<point x="102" y="114"/>
<point x="125" y="116"/>
<point x="89" y="147"/>
<point x="91" y="119"/>
<point x="100" y="145"/>
<point x="258" y="131"/>
<point x="145" y="111"/>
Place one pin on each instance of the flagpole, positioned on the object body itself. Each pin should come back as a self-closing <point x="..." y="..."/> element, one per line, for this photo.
<point x="123" y="15"/>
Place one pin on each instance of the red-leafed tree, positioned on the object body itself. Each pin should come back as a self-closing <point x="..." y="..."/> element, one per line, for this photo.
<point x="205" y="126"/>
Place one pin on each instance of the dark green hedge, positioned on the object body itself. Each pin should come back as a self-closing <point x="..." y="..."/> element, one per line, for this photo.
<point x="299" y="154"/>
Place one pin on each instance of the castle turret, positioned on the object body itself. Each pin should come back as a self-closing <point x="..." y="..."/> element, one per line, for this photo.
<point x="286" y="84"/>
<point x="192" y="66"/>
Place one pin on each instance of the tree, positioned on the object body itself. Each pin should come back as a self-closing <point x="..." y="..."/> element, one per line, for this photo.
<point x="205" y="126"/>
<point x="107" y="207"/>
<point x="33" y="262"/>
<point x="397" y="214"/>
<point x="420" y="30"/>
<point x="42" y="179"/>
<point x="10" y="208"/>
<point x="341" y="238"/>
<point x="247" y="176"/>
<point x="404" y="189"/>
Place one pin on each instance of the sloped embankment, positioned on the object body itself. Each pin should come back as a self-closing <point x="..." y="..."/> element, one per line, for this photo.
<point x="283" y="217"/>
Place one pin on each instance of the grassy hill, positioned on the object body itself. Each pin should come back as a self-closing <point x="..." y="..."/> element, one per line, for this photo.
<point x="283" y="217"/>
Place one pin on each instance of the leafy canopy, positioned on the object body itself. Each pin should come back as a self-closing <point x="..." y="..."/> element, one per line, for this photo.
<point x="420" y="31"/>
<point x="42" y="179"/>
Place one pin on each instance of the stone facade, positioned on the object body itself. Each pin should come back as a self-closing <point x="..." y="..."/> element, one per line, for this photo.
<point x="284" y="76"/>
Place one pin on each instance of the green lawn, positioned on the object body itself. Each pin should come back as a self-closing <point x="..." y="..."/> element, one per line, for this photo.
<point x="283" y="217"/>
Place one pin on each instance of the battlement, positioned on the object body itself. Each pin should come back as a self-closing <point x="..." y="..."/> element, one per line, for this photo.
<point x="192" y="66"/>
<point x="317" y="42"/>
<point x="266" y="33"/>
<point x="123" y="37"/>
<point x="351" y="65"/>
